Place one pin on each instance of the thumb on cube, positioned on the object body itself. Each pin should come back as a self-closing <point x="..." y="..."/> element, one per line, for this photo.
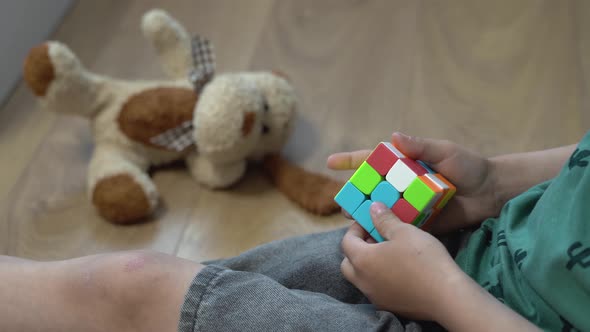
<point x="384" y="220"/>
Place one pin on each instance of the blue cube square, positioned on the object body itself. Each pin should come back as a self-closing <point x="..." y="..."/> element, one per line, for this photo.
<point x="385" y="193"/>
<point x="350" y="198"/>
<point x="362" y="215"/>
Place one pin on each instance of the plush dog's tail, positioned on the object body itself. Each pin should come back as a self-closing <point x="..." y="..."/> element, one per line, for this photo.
<point x="311" y="191"/>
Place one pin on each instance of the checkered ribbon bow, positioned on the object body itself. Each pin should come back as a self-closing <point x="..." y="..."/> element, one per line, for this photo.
<point x="181" y="137"/>
<point x="203" y="63"/>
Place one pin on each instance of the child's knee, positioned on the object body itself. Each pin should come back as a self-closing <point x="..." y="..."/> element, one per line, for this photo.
<point x="116" y="286"/>
<point x="128" y="285"/>
<point x="120" y="276"/>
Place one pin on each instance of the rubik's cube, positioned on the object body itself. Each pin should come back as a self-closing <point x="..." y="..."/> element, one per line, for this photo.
<point x="412" y="190"/>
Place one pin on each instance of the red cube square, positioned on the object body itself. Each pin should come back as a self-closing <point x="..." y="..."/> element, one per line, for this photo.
<point x="383" y="157"/>
<point x="414" y="166"/>
<point x="405" y="211"/>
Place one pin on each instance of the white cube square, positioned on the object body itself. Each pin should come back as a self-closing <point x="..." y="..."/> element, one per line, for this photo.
<point x="400" y="176"/>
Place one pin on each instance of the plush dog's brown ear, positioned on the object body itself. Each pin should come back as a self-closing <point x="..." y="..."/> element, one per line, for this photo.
<point x="311" y="191"/>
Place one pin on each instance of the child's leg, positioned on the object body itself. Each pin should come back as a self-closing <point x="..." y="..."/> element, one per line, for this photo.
<point x="293" y="284"/>
<point x="134" y="291"/>
<point x="310" y="262"/>
<point x="221" y="299"/>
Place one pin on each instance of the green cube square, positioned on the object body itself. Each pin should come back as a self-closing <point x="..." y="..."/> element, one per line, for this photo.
<point x="366" y="178"/>
<point x="419" y="194"/>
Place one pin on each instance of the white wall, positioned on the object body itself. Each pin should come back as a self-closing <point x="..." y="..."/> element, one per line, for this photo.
<point x="24" y="23"/>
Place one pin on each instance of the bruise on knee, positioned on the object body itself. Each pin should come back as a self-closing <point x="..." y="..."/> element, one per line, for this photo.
<point x="120" y="280"/>
<point x="135" y="263"/>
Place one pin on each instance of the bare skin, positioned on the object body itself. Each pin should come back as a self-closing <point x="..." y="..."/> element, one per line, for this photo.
<point x="427" y="283"/>
<point x="132" y="291"/>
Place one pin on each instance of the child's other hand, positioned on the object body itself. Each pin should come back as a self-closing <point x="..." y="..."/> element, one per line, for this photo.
<point x="471" y="173"/>
<point x="410" y="273"/>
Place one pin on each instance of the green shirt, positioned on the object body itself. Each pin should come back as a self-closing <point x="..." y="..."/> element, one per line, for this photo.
<point x="535" y="257"/>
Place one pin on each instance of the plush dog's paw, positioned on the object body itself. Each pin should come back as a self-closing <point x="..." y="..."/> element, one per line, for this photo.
<point x="121" y="199"/>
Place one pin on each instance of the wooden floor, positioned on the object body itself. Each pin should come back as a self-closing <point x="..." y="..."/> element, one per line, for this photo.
<point x="496" y="76"/>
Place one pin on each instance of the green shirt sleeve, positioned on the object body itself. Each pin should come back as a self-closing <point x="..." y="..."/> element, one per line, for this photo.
<point x="535" y="257"/>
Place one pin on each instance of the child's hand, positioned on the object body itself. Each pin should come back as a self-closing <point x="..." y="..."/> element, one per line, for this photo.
<point x="410" y="273"/>
<point x="475" y="198"/>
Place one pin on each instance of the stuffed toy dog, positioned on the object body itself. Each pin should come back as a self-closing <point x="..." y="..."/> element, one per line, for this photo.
<point x="216" y="123"/>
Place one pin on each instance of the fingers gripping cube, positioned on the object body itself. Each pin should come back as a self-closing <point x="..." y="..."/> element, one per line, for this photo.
<point x="410" y="188"/>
